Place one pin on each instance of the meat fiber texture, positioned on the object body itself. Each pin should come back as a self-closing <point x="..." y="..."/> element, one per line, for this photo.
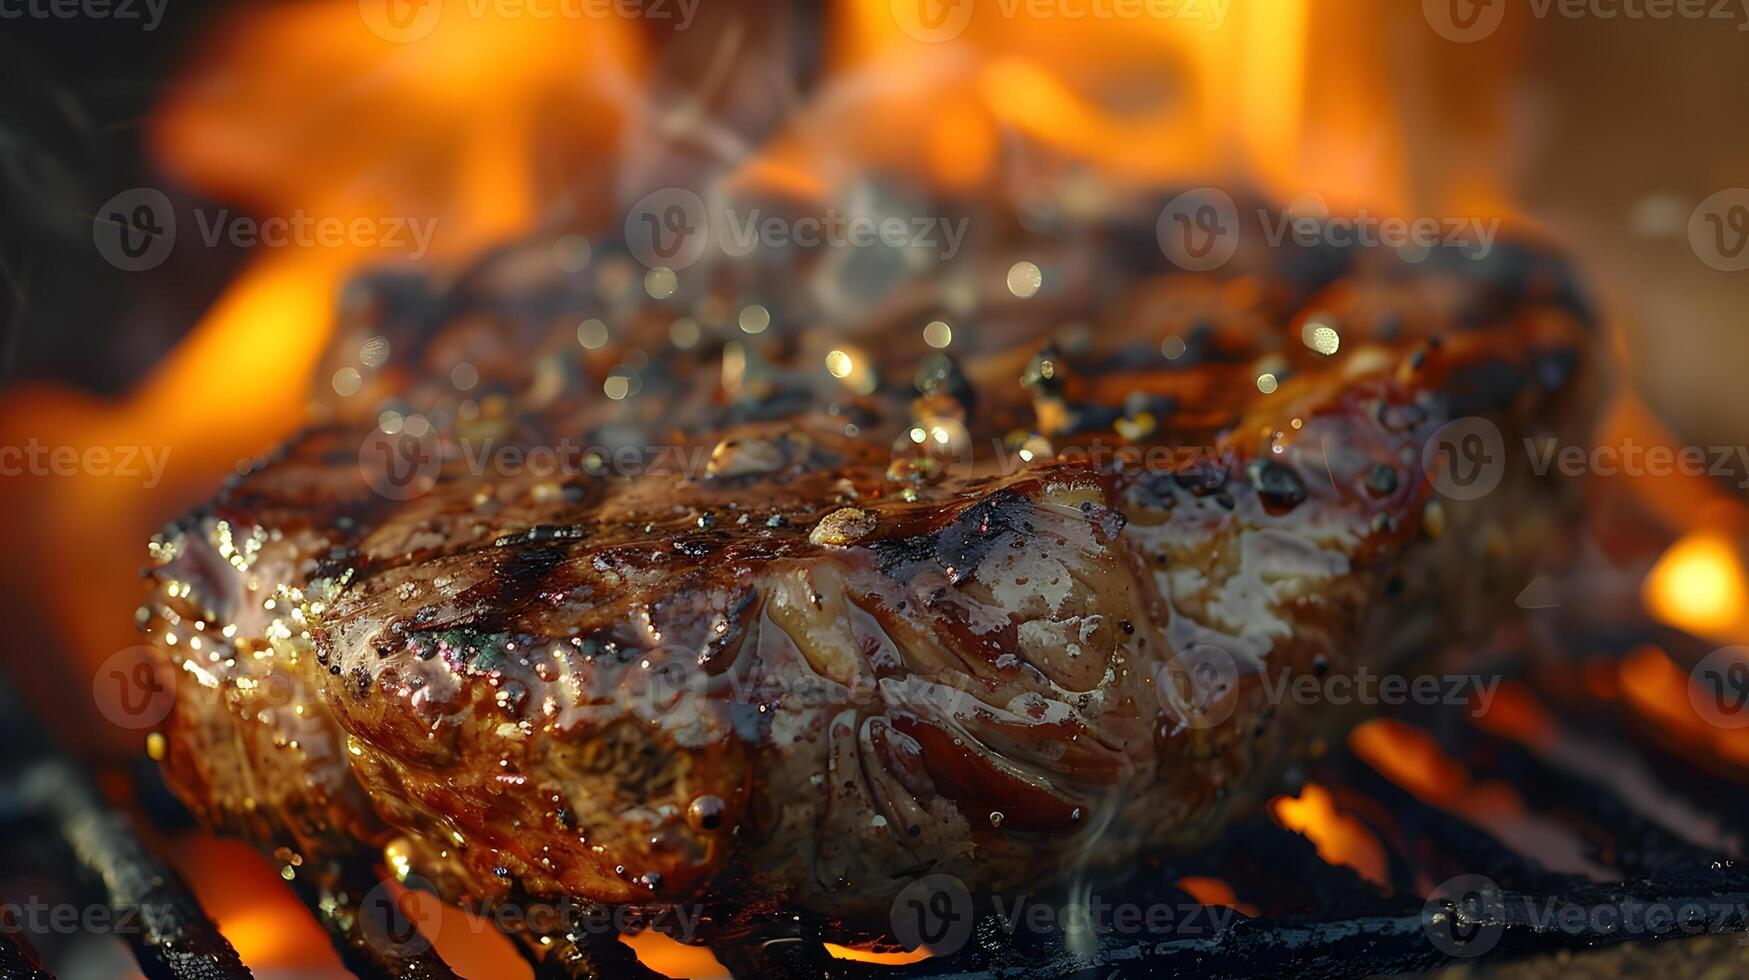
<point x="810" y="613"/>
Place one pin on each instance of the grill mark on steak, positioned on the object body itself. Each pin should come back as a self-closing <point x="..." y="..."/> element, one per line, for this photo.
<point x="962" y="542"/>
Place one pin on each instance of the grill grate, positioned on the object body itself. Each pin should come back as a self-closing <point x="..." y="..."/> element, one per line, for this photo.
<point x="175" y="938"/>
<point x="1315" y="919"/>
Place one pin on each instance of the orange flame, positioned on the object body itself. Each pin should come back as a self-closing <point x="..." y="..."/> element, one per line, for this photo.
<point x="900" y="958"/>
<point x="478" y="125"/>
<point x="1215" y="891"/>
<point x="1516" y="713"/>
<point x="1659" y="690"/>
<point x="1340" y="838"/>
<point x="296" y="109"/>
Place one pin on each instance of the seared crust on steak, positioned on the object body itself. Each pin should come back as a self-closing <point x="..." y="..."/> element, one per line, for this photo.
<point x="784" y="668"/>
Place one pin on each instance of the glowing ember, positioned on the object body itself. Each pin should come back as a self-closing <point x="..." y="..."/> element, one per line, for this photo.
<point x="869" y="956"/>
<point x="1214" y="891"/>
<point x="674" y="959"/>
<point x="1659" y="690"/>
<point x="1699" y="586"/>
<point x="265" y="922"/>
<point x="1515" y="713"/>
<point x="1411" y="758"/>
<point x="1341" y="839"/>
<point x="469" y="943"/>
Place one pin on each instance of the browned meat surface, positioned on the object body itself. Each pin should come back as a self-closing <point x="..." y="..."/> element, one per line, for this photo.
<point x="780" y="667"/>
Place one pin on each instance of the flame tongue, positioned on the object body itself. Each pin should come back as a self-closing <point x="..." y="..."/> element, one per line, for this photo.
<point x="483" y="126"/>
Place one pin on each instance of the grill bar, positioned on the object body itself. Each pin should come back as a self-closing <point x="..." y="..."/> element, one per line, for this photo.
<point x="785" y="958"/>
<point x="1318" y="920"/>
<point x="175" y="940"/>
<point x="593" y="959"/>
<point x="1637" y="845"/>
<point x="373" y="939"/>
<point x="1473" y="850"/>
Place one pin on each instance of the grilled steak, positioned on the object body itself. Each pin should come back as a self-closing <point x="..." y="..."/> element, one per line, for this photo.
<point x="870" y="612"/>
